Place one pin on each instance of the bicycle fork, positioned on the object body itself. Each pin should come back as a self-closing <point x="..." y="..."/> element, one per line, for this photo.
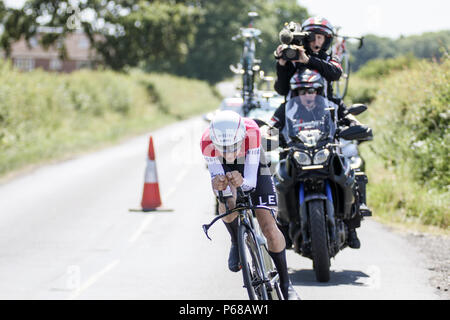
<point x="266" y="263"/>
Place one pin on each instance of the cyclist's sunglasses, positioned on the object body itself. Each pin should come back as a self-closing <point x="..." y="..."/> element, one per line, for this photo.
<point x="229" y="149"/>
<point x="304" y="91"/>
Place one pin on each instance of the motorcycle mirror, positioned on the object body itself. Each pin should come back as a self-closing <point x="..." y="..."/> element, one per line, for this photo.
<point x="361" y="43"/>
<point x="360" y="133"/>
<point x="357" y="108"/>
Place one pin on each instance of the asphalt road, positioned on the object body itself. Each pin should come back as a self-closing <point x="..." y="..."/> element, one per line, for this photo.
<point x="67" y="232"/>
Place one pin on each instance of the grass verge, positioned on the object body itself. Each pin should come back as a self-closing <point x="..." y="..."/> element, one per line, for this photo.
<point x="47" y="116"/>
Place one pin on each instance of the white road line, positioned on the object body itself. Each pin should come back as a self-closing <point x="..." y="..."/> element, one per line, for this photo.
<point x="93" y="279"/>
<point x="177" y="181"/>
<point x="150" y="217"/>
<point x="141" y="228"/>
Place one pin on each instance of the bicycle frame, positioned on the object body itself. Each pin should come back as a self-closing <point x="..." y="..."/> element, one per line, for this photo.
<point x="246" y="218"/>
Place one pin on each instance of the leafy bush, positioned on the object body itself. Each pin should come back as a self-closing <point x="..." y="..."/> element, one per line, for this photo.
<point x="378" y="68"/>
<point x="361" y="90"/>
<point x="416" y="104"/>
<point x="408" y="160"/>
<point x="47" y="115"/>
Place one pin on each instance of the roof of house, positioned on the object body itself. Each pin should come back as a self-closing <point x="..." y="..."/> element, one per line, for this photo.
<point x="77" y="45"/>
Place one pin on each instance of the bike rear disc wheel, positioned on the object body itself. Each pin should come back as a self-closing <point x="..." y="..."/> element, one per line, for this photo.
<point x="252" y="271"/>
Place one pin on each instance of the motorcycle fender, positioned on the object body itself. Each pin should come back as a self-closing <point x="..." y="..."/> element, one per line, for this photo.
<point x="331" y="225"/>
<point x="304" y="212"/>
<point x="315" y="196"/>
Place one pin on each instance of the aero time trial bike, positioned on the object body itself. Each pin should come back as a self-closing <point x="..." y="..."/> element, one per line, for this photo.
<point x="340" y="51"/>
<point x="260" y="277"/>
<point x="248" y="65"/>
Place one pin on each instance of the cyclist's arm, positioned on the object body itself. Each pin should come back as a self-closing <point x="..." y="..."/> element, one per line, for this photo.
<point x="252" y="155"/>
<point x="215" y="168"/>
<point x="251" y="169"/>
<point x="331" y="70"/>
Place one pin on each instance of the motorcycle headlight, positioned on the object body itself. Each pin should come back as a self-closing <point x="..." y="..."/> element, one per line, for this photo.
<point x="302" y="158"/>
<point x="321" y="156"/>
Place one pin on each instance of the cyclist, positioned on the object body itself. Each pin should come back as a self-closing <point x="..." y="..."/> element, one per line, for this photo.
<point x="308" y="85"/>
<point x="231" y="147"/>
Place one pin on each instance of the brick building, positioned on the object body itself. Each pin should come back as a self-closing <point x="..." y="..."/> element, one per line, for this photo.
<point x="79" y="54"/>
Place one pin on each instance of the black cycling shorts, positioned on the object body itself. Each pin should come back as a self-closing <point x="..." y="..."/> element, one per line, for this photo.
<point x="264" y="194"/>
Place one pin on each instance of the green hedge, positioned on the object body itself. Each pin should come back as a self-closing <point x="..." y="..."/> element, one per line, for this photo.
<point x="45" y="115"/>
<point x="408" y="161"/>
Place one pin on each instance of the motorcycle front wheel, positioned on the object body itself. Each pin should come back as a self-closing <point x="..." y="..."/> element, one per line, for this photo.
<point x="319" y="242"/>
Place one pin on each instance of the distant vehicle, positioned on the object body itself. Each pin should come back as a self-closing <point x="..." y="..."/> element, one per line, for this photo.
<point x="231" y="103"/>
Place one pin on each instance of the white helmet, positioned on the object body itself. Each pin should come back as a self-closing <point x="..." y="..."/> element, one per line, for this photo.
<point x="227" y="131"/>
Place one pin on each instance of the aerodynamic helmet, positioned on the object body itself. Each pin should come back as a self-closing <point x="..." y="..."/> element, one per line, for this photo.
<point x="227" y="131"/>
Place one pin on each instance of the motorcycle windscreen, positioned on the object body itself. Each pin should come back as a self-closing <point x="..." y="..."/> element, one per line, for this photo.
<point x="307" y="120"/>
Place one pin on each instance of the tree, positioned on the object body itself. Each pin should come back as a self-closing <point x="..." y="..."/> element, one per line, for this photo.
<point x="213" y="51"/>
<point x="186" y="37"/>
<point x="124" y="32"/>
<point x="430" y="45"/>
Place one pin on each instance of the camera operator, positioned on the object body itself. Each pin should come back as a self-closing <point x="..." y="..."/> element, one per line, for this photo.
<point x="311" y="55"/>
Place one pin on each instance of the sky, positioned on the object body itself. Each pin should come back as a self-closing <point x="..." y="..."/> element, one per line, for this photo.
<point x="391" y="18"/>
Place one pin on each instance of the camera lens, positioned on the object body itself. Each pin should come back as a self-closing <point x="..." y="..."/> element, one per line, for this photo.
<point x="290" y="53"/>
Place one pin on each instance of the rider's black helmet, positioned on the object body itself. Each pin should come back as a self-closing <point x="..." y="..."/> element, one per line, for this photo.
<point x="308" y="79"/>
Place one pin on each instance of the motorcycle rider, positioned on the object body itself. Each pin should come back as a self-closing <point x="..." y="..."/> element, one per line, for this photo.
<point x="313" y="56"/>
<point x="231" y="147"/>
<point x="307" y="86"/>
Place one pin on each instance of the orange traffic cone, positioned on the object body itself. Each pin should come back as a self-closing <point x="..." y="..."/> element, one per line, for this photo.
<point x="150" y="197"/>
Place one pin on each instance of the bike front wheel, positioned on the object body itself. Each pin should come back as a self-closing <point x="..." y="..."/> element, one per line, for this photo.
<point x="252" y="265"/>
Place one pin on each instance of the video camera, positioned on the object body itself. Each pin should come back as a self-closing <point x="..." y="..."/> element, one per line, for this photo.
<point x="291" y="35"/>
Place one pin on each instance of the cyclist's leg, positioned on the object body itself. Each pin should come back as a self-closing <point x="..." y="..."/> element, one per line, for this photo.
<point x="231" y="223"/>
<point x="276" y="246"/>
<point x="274" y="236"/>
<point x="265" y="195"/>
<point x="231" y="204"/>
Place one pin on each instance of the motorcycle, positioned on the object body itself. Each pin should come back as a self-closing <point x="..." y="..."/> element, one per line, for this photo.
<point x="317" y="187"/>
